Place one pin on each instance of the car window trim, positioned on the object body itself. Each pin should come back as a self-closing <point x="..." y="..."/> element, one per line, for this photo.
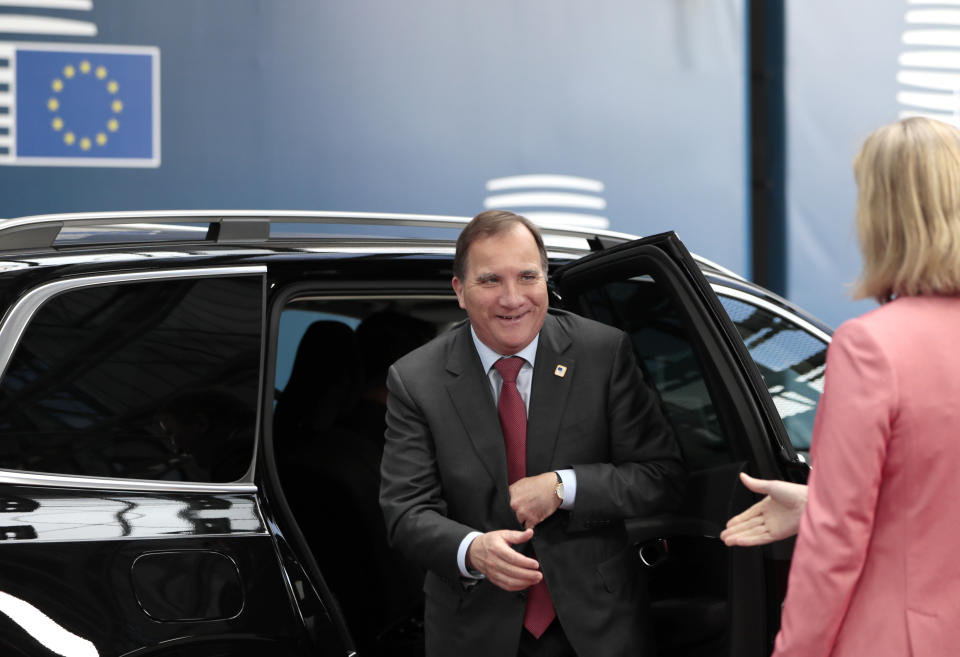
<point x="414" y="296"/>
<point x="53" y="480"/>
<point x="752" y="299"/>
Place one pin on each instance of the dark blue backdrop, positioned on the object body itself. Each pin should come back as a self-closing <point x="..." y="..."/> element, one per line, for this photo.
<point x="371" y="105"/>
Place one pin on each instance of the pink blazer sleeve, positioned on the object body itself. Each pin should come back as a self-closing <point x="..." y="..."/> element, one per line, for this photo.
<point x="849" y="448"/>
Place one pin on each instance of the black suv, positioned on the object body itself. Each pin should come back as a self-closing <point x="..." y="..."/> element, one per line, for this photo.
<point x="192" y="418"/>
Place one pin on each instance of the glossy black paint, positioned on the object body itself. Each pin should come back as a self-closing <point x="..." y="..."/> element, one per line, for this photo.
<point x="110" y="570"/>
<point x="87" y="591"/>
<point x="189" y="573"/>
<point x="59" y="515"/>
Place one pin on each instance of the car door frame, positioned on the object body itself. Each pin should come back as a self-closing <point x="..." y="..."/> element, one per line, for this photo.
<point x="763" y="447"/>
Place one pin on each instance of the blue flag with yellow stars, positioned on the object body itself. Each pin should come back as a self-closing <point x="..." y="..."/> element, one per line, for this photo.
<point x="82" y="105"/>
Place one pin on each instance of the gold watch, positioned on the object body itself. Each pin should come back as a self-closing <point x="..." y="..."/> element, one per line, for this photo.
<point x="558" y="489"/>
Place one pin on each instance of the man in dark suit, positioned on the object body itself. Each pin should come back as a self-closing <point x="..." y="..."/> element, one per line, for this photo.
<point x="516" y="445"/>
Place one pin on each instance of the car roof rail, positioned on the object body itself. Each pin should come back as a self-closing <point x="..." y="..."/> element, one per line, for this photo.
<point x="44" y="232"/>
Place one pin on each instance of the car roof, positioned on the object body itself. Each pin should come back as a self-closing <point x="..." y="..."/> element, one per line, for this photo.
<point x="89" y="235"/>
<point x="234" y="227"/>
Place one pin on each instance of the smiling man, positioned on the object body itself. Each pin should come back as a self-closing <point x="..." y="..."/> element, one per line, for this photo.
<point x="517" y="444"/>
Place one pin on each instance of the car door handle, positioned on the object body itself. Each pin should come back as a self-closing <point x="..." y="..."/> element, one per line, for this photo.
<point x="641" y="530"/>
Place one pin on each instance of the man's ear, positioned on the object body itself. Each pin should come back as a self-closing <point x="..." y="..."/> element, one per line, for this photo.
<point x="458" y="289"/>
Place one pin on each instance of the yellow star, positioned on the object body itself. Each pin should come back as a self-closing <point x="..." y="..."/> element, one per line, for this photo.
<point x="53" y="104"/>
<point x="101" y="139"/>
<point x="117" y="106"/>
<point x="57" y="124"/>
<point x="85" y="143"/>
<point x="101" y="72"/>
<point x="69" y="138"/>
<point x="57" y="84"/>
<point x="85" y="66"/>
<point x="113" y="125"/>
<point x="112" y="86"/>
<point x="69" y="71"/>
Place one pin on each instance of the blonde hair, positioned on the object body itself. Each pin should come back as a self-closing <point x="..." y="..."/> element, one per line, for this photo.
<point x="908" y="210"/>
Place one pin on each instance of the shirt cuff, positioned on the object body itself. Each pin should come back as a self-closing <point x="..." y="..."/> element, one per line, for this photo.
<point x="569" y="479"/>
<point x="462" y="556"/>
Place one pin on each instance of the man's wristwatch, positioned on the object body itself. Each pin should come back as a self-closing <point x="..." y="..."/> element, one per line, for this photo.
<point x="558" y="489"/>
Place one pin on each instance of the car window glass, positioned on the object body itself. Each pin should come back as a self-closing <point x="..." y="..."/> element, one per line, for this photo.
<point x="153" y="380"/>
<point x="644" y="310"/>
<point x="791" y="360"/>
<point x="293" y="325"/>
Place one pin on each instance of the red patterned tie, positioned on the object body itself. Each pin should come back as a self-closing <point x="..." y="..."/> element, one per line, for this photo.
<point x="513" y="419"/>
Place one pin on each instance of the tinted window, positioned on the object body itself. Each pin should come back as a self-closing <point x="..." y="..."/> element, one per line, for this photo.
<point x="643" y="309"/>
<point x="791" y="360"/>
<point x="153" y="380"/>
<point x="293" y="325"/>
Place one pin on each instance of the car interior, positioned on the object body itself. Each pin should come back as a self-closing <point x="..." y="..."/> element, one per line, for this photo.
<point x="329" y="427"/>
<point x="332" y="357"/>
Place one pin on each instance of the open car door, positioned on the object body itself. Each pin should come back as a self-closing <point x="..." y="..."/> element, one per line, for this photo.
<point x="707" y="599"/>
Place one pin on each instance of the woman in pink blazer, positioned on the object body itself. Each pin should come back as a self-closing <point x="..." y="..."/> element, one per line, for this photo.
<point x="876" y="568"/>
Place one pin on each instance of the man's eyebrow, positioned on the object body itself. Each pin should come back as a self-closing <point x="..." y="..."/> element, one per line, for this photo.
<point x="486" y="276"/>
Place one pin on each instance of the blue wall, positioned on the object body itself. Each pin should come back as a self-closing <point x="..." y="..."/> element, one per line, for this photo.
<point x="843" y="64"/>
<point x="412" y="106"/>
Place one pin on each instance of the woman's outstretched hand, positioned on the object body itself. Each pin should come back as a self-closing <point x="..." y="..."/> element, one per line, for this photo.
<point x="775" y="517"/>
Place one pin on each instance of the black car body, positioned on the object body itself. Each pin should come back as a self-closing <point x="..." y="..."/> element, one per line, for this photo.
<point x="182" y="395"/>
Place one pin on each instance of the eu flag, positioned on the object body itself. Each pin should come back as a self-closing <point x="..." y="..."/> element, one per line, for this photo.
<point x="85" y="105"/>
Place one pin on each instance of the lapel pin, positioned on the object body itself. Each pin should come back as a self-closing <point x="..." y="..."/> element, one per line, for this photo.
<point x="560" y="371"/>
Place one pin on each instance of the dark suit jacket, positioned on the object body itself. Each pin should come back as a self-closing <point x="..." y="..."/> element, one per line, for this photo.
<point x="444" y="474"/>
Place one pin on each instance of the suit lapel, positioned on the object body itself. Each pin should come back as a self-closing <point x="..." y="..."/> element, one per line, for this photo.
<point x="548" y="395"/>
<point x="470" y="394"/>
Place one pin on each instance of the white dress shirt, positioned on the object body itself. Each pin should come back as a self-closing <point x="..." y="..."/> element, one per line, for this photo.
<point x="524" y="383"/>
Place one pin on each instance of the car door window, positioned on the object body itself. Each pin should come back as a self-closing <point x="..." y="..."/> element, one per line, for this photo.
<point x="641" y="309"/>
<point x="144" y="380"/>
<point x="791" y="360"/>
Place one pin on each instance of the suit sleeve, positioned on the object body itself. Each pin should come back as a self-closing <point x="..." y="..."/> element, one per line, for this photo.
<point x="850" y="439"/>
<point x="410" y="489"/>
<point x="645" y="471"/>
